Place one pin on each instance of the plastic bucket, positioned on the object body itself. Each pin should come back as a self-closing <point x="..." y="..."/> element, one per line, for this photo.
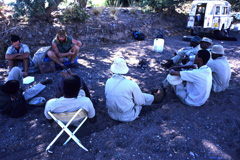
<point x="158" y="44"/>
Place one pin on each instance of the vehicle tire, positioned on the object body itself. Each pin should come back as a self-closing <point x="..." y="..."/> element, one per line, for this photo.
<point x="221" y="34"/>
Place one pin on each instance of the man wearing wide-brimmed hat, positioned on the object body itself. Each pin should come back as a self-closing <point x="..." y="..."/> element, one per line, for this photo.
<point x="186" y="51"/>
<point x="65" y="48"/>
<point x="221" y="70"/>
<point x="124" y="98"/>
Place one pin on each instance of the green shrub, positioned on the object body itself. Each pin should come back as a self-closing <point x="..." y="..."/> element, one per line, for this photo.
<point x="75" y="13"/>
<point x="37" y="8"/>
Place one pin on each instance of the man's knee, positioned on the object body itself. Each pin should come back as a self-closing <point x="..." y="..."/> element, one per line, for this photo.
<point x="75" y="48"/>
<point x="16" y="70"/>
<point x="51" y="54"/>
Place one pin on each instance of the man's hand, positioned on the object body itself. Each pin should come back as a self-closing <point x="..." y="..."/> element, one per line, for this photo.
<point x="185" y="60"/>
<point x="174" y="73"/>
<point x="71" y="53"/>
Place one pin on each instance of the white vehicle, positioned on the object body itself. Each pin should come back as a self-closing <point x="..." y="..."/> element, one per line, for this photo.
<point x="210" y="15"/>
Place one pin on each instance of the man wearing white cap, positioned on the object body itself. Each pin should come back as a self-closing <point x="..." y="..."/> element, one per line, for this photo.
<point x="124" y="98"/>
<point x="221" y="70"/>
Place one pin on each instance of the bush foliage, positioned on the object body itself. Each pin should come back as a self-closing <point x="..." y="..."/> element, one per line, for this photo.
<point x="75" y="13"/>
<point x="31" y="8"/>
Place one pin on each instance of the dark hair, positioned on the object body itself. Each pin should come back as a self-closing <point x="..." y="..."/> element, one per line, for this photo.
<point x="15" y="38"/>
<point x="11" y="87"/>
<point x="204" y="55"/>
<point x="71" y="86"/>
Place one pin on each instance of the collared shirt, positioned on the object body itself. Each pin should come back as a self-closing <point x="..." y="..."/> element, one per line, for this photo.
<point x="221" y="73"/>
<point x="199" y="83"/>
<point x="121" y="96"/>
<point x="59" y="105"/>
<point x="23" y="49"/>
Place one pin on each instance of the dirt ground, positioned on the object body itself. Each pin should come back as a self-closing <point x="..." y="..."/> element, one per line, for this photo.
<point x="168" y="130"/>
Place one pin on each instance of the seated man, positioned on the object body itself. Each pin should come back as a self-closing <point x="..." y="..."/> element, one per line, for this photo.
<point x="198" y="81"/>
<point x="65" y="48"/>
<point x="83" y="86"/>
<point x="71" y="100"/>
<point x="12" y="101"/>
<point x="124" y="99"/>
<point x="183" y="52"/>
<point x="221" y="70"/>
<point x="18" y="52"/>
<point x="205" y="43"/>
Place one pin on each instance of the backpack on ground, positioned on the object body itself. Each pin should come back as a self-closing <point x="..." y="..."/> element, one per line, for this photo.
<point x="138" y="35"/>
<point x="40" y="55"/>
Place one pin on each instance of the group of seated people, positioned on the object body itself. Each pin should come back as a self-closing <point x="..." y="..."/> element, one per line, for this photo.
<point x="199" y="69"/>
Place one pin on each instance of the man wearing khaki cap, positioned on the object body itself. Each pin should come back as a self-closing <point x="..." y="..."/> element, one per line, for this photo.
<point x="221" y="70"/>
<point x="205" y="43"/>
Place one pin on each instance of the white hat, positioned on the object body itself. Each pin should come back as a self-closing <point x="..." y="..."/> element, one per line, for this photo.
<point x="174" y="80"/>
<point x="119" y="66"/>
<point x="205" y="39"/>
<point x="217" y="49"/>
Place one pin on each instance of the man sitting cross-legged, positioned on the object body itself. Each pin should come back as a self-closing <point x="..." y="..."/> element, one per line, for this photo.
<point x="65" y="48"/>
<point x="198" y="81"/>
<point x="221" y="70"/>
<point x="71" y="100"/>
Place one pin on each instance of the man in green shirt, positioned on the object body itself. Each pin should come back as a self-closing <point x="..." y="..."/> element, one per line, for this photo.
<point x="65" y="48"/>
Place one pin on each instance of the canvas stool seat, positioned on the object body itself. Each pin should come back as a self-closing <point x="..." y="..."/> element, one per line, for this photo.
<point x="76" y="118"/>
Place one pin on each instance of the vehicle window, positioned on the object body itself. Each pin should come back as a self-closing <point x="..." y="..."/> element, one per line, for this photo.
<point x="211" y="12"/>
<point x="193" y="9"/>
<point x="228" y="10"/>
<point x="224" y="10"/>
<point x="217" y="12"/>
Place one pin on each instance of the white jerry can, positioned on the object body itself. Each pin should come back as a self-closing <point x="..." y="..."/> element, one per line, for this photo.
<point x="158" y="44"/>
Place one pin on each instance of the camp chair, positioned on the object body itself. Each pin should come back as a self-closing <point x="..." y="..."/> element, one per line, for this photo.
<point x="76" y="118"/>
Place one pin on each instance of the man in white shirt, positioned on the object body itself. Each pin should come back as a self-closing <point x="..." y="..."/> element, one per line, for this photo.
<point x="198" y="81"/>
<point x="183" y="52"/>
<point x="221" y="70"/>
<point x="124" y="98"/>
<point x="205" y="43"/>
<point x="72" y="100"/>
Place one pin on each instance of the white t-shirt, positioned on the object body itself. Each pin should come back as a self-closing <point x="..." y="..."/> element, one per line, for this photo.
<point x="221" y="73"/>
<point x="59" y="105"/>
<point x="199" y="83"/>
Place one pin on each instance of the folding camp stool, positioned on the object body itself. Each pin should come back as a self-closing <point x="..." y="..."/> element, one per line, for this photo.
<point x="77" y="118"/>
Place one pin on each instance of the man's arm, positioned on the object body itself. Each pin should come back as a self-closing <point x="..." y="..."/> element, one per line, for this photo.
<point x="178" y="68"/>
<point x="60" y="55"/>
<point x="17" y="56"/>
<point x="76" y="42"/>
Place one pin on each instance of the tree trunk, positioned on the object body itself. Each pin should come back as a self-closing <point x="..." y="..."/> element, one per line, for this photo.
<point x="2" y="15"/>
<point x="82" y="3"/>
<point x="49" y="10"/>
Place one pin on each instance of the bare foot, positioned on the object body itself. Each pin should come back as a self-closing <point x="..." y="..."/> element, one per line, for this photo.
<point x="64" y="73"/>
<point x="69" y="72"/>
